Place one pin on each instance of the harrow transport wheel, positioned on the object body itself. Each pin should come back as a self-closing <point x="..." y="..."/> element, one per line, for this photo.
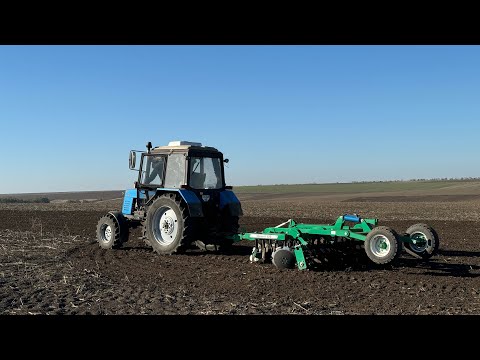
<point x="168" y="225"/>
<point x="426" y="233"/>
<point x="112" y="230"/>
<point x="382" y="245"/>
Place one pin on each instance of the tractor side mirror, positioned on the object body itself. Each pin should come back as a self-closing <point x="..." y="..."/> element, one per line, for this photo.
<point x="133" y="164"/>
<point x="132" y="160"/>
<point x="226" y="161"/>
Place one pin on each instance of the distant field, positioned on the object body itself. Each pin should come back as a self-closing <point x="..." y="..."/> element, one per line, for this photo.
<point x="351" y="188"/>
<point x="455" y="190"/>
<point x="74" y="195"/>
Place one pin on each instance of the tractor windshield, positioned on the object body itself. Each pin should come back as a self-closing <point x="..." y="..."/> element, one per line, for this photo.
<point x="205" y="173"/>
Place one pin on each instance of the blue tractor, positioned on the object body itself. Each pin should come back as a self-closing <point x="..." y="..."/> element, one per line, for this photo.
<point x="180" y="199"/>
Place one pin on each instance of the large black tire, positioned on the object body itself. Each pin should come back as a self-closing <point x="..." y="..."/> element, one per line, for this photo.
<point x="168" y="227"/>
<point x="426" y="232"/>
<point x="229" y="226"/>
<point x="382" y="245"/>
<point x="112" y="230"/>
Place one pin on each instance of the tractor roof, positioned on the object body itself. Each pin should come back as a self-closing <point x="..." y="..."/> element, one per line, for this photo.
<point x="183" y="145"/>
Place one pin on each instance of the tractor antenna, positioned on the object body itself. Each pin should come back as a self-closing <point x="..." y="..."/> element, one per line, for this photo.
<point x="149" y="146"/>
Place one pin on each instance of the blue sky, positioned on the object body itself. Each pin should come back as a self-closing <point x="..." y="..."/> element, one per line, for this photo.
<point x="282" y="114"/>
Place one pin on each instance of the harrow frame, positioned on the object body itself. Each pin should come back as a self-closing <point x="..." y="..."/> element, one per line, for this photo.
<point x="300" y="238"/>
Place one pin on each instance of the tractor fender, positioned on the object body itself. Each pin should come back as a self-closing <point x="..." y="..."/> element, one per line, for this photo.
<point x="122" y="222"/>
<point x="192" y="201"/>
<point x="229" y="199"/>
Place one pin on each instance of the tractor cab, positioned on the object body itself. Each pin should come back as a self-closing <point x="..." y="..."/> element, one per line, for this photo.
<point x="180" y="165"/>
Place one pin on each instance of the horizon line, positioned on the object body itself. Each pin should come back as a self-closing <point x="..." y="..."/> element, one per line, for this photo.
<point x="285" y="184"/>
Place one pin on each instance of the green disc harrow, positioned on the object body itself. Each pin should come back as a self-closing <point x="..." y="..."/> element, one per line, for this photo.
<point x="290" y="244"/>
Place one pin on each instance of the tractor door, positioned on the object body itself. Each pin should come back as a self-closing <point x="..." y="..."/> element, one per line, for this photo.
<point x="152" y="172"/>
<point x="175" y="174"/>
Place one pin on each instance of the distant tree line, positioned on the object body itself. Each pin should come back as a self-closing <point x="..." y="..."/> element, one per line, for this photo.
<point x="431" y="179"/>
<point x="42" y="200"/>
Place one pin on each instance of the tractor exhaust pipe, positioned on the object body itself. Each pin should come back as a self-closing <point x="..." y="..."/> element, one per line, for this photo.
<point x="149" y="147"/>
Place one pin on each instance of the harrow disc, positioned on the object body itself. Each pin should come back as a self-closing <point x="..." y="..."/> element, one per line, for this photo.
<point x="283" y="258"/>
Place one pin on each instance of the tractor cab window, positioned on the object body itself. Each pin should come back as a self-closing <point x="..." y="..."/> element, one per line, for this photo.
<point x="205" y="173"/>
<point x="152" y="170"/>
<point x="175" y="175"/>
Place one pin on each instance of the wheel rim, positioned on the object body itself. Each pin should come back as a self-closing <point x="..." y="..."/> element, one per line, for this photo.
<point x="380" y="246"/>
<point x="106" y="233"/>
<point x="419" y="236"/>
<point x="165" y="225"/>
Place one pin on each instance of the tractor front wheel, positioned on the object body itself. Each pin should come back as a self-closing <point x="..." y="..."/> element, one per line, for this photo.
<point x="382" y="245"/>
<point x="112" y="230"/>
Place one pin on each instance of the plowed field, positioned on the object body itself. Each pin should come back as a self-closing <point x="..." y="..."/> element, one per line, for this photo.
<point x="51" y="264"/>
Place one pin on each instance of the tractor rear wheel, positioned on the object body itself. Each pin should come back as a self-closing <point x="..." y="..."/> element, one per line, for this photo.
<point x="229" y="226"/>
<point x="382" y="245"/>
<point x="430" y="238"/>
<point x="112" y="230"/>
<point x="168" y="225"/>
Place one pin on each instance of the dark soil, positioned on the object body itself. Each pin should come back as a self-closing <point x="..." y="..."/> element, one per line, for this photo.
<point x="51" y="264"/>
